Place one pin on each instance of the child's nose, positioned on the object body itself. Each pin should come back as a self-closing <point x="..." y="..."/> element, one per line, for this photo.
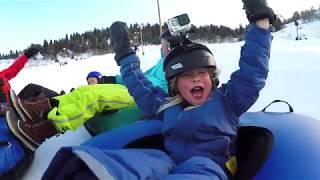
<point x="195" y="77"/>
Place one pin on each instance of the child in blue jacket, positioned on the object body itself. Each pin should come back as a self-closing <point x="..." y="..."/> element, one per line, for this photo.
<point x="200" y="120"/>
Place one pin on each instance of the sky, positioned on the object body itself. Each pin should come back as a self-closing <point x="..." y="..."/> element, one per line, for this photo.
<point x="24" y="22"/>
<point x="293" y="70"/>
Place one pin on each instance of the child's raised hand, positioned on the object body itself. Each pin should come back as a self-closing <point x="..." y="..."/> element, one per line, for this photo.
<point x="257" y="10"/>
<point x="31" y="52"/>
<point x="263" y="23"/>
<point x="119" y="40"/>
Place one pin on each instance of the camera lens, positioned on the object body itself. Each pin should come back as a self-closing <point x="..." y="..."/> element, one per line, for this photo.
<point x="183" y="20"/>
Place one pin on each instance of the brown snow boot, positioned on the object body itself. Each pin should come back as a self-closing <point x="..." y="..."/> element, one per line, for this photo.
<point x="34" y="108"/>
<point x="31" y="133"/>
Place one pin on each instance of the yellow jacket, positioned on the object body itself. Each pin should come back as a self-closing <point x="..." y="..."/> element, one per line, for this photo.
<point x="83" y="103"/>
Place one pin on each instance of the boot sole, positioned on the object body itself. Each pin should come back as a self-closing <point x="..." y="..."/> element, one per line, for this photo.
<point x="14" y="102"/>
<point x="12" y="121"/>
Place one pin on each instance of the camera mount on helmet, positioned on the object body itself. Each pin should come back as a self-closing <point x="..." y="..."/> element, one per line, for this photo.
<point x="179" y="27"/>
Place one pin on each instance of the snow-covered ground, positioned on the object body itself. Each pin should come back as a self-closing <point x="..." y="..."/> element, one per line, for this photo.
<point x="294" y="77"/>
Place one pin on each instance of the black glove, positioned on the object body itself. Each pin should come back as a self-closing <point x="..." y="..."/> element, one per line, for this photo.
<point x="108" y="80"/>
<point x="62" y="92"/>
<point x="257" y="10"/>
<point x="119" y="40"/>
<point x="31" y="51"/>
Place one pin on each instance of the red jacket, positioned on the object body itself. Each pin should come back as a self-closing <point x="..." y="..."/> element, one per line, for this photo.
<point x="11" y="72"/>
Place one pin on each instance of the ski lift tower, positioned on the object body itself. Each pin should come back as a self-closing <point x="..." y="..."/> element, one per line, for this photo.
<point x="297" y="27"/>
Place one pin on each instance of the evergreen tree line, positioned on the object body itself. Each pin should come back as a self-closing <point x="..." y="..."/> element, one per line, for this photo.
<point x="97" y="41"/>
<point x="305" y="16"/>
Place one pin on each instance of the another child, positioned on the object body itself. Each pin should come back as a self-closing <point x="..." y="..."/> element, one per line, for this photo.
<point x="93" y="77"/>
<point x="155" y="74"/>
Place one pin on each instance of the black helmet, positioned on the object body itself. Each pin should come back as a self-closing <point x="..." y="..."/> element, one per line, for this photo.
<point x="187" y="57"/>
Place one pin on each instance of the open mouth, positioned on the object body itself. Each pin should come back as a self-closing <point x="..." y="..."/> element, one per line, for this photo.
<point x="197" y="91"/>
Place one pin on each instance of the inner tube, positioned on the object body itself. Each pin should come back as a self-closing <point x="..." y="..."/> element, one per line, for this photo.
<point x="295" y="152"/>
<point x="15" y="159"/>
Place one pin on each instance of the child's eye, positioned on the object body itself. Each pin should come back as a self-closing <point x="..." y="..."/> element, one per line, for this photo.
<point x="186" y="74"/>
<point x="202" y="72"/>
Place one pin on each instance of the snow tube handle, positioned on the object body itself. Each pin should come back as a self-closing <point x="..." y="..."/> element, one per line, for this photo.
<point x="276" y="101"/>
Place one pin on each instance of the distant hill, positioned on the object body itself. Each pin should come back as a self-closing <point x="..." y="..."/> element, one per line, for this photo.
<point x="306" y="30"/>
<point x="308" y="26"/>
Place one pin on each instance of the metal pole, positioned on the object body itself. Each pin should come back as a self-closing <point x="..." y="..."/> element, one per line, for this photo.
<point x="297" y="38"/>
<point x="159" y="16"/>
<point x="141" y="39"/>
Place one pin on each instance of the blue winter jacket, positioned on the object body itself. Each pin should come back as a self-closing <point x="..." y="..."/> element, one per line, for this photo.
<point x="208" y="130"/>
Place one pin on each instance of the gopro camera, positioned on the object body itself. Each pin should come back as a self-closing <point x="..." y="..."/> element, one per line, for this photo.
<point x="179" y="25"/>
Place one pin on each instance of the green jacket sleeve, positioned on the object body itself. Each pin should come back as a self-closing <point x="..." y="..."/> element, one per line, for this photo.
<point x="83" y="103"/>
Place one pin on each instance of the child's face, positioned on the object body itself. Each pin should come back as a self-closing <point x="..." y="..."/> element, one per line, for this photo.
<point x="92" y="80"/>
<point x="195" y="86"/>
<point x="164" y="47"/>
